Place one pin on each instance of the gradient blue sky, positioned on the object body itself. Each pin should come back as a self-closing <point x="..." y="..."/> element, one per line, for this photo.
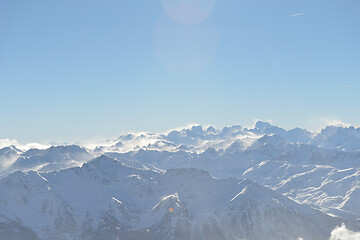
<point x="77" y="69"/>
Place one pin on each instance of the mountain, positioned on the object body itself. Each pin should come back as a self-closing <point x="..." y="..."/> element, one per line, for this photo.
<point x="344" y="138"/>
<point x="184" y="184"/>
<point x="303" y="172"/>
<point x="53" y="158"/>
<point x="8" y="155"/>
<point x="296" y="135"/>
<point x="106" y="199"/>
<point x="200" y="138"/>
<point x="13" y="230"/>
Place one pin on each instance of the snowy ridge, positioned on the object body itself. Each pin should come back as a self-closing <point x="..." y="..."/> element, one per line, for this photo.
<point x="186" y="183"/>
<point x="107" y="194"/>
<point x="194" y="139"/>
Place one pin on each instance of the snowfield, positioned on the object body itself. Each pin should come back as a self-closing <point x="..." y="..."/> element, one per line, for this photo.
<point x="198" y="182"/>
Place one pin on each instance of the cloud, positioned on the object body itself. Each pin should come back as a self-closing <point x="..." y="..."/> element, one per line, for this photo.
<point x="296" y="14"/>
<point x="7" y="142"/>
<point x="33" y="145"/>
<point x="96" y="142"/>
<point x="12" y="142"/>
<point x="7" y="161"/>
<point x="318" y="122"/>
<point x="335" y="122"/>
<point x="342" y="233"/>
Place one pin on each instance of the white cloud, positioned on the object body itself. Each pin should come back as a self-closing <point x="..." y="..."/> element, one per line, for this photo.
<point x="7" y="142"/>
<point x="96" y="142"/>
<point x="33" y="145"/>
<point x="7" y="161"/>
<point x="317" y="123"/>
<point x="24" y="147"/>
<point x="335" y="122"/>
<point x="342" y="233"/>
<point x="296" y="14"/>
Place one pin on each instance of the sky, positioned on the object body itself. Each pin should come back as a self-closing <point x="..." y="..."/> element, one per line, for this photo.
<point x="81" y="69"/>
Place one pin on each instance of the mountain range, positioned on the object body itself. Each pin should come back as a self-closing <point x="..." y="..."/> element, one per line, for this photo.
<point x="196" y="182"/>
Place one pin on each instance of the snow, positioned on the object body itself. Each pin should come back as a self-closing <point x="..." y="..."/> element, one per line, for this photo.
<point x="131" y="183"/>
<point x="144" y="202"/>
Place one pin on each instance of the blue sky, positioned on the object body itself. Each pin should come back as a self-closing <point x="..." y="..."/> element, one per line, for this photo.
<point x="80" y="69"/>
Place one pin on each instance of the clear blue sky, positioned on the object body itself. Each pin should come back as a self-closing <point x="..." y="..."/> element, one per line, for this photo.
<point x="79" y="69"/>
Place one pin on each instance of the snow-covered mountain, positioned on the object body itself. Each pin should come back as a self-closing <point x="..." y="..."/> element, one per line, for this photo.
<point x="198" y="138"/>
<point x="345" y="138"/>
<point x="8" y="156"/>
<point x="150" y="186"/>
<point x="106" y="199"/>
<point x="44" y="160"/>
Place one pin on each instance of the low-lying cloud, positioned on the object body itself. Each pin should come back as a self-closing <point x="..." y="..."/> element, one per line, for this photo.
<point x="7" y="161"/>
<point x="342" y="233"/>
<point x="7" y="142"/>
<point x="12" y="142"/>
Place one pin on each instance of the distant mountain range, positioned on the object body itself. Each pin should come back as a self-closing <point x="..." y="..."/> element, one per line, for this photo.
<point x="263" y="182"/>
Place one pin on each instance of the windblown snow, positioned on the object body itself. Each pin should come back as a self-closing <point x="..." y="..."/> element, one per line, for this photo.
<point x="262" y="182"/>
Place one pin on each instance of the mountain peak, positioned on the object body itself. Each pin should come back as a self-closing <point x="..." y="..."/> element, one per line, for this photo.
<point x="210" y="130"/>
<point x="231" y="130"/>
<point x="273" y="139"/>
<point x="262" y="124"/>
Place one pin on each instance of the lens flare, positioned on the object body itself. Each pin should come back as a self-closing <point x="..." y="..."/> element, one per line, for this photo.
<point x="184" y="48"/>
<point x="188" y="11"/>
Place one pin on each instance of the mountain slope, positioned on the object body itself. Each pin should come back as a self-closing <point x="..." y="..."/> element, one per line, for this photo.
<point x="50" y="159"/>
<point x="80" y="203"/>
